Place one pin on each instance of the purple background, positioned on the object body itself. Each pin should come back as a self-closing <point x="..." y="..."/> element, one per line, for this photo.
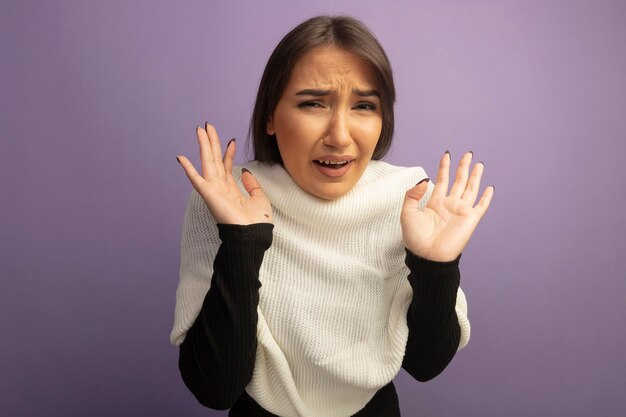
<point x="97" y="98"/>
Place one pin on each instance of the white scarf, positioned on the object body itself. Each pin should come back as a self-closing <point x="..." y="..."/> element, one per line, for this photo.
<point x="332" y="324"/>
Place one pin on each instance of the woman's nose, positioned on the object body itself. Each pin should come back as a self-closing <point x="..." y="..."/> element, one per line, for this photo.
<point x="338" y="135"/>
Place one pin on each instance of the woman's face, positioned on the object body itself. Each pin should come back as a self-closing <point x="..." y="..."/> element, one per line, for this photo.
<point x="328" y="121"/>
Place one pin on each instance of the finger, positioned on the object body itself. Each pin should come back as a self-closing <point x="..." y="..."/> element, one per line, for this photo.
<point x="416" y="193"/>
<point x="441" y="184"/>
<point x="473" y="184"/>
<point x="216" y="149"/>
<point x="194" y="177"/>
<point x="228" y="160"/>
<point x="251" y="185"/>
<point x="462" y="173"/>
<point x="206" y="154"/>
<point x="485" y="200"/>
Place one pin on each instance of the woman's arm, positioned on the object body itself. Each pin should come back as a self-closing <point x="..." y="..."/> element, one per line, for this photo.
<point x="434" y="237"/>
<point x="434" y="331"/>
<point x="217" y="356"/>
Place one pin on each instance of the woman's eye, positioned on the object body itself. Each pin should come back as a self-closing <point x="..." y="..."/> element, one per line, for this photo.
<point x="310" y="104"/>
<point x="365" y="106"/>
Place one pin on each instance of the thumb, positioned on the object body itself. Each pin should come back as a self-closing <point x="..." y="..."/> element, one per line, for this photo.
<point x="416" y="193"/>
<point x="251" y="185"/>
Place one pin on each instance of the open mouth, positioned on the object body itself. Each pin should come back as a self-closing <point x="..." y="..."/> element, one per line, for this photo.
<point x="331" y="164"/>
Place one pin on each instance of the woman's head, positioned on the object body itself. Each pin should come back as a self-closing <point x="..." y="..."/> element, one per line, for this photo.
<point x="342" y="33"/>
<point x="328" y="121"/>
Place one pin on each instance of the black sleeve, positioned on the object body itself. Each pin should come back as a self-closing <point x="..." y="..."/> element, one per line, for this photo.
<point x="434" y="330"/>
<point x="217" y="356"/>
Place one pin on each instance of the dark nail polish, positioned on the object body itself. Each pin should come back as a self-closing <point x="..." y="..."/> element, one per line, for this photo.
<point x="230" y="141"/>
<point x="481" y="162"/>
<point x="447" y="151"/>
<point x="472" y="152"/>
<point x="494" y="188"/>
<point x="206" y="125"/>
<point x="178" y="160"/>
<point x="424" y="180"/>
<point x="245" y="170"/>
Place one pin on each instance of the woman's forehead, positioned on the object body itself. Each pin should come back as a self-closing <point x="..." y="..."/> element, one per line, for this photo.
<point x="330" y="67"/>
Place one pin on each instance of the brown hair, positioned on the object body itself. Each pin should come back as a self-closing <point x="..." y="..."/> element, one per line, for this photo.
<point x="342" y="32"/>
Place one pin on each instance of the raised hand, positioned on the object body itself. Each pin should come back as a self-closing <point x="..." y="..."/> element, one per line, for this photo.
<point x="218" y="188"/>
<point x="441" y="230"/>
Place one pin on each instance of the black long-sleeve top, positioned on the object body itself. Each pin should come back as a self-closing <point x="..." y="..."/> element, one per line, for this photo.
<point x="217" y="356"/>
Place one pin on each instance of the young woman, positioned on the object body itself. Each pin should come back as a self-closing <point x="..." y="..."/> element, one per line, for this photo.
<point x="312" y="274"/>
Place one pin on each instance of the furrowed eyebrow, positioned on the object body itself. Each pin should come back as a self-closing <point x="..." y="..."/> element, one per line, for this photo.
<point x="315" y="93"/>
<point x="322" y="93"/>
<point x="366" y="93"/>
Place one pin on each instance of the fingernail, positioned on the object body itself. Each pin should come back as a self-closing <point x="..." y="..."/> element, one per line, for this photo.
<point x="197" y="128"/>
<point x="494" y="188"/>
<point x="206" y="125"/>
<point x="424" y="180"/>
<point x="481" y="162"/>
<point x="178" y="160"/>
<point x="245" y="170"/>
<point x="472" y="152"/>
<point x="230" y="141"/>
<point x="447" y="151"/>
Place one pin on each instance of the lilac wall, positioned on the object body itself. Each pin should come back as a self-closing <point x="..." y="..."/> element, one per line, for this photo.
<point x="98" y="97"/>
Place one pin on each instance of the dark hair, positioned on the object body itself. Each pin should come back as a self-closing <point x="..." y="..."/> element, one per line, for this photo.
<point x="342" y="32"/>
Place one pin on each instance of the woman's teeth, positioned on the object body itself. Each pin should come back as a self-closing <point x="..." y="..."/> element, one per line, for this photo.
<point x="331" y="164"/>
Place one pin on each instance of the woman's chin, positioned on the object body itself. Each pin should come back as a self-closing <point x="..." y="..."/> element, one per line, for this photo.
<point x="329" y="191"/>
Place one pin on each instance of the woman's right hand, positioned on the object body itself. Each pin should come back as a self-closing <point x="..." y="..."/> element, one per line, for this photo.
<point x="218" y="188"/>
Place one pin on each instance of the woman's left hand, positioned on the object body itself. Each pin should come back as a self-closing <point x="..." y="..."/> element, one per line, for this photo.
<point x="441" y="230"/>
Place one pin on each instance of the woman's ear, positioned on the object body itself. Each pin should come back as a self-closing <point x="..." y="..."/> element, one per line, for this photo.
<point x="270" y="127"/>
